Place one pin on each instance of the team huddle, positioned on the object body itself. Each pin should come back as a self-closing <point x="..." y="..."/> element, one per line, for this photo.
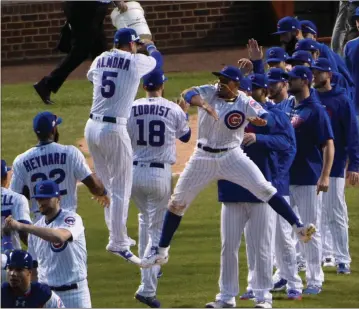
<point x="279" y="135"/>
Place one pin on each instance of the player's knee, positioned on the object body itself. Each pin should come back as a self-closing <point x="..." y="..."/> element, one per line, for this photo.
<point x="176" y="207"/>
<point x="265" y="191"/>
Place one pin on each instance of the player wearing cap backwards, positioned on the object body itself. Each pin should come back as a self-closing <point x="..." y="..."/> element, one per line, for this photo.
<point x="310" y="171"/>
<point x="346" y="142"/>
<point x="19" y="291"/>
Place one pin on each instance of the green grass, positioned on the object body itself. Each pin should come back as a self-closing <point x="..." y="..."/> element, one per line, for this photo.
<point x="190" y="279"/>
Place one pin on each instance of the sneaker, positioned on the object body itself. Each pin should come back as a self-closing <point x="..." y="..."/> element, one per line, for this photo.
<point x="249" y="295"/>
<point x="302" y="267"/>
<point x="305" y="233"/>
<point x="343" y="269"/>
<point x="263" y="304"/>
<point x="159" y="256"/>
<point x="329" y="262"/>
<point x="219" y="304"/>
<point x="294" y="295"/>
<point x="125" y="254"/>
<point x="280" y="285"/>
<point x="312" y="290"/>
<point x="151" y="302"/>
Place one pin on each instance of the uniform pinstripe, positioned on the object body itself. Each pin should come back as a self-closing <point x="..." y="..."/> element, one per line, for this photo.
<point x="151" y="188"/>
<point x="54" y="302"/>
<point x="115" y="76"/>
<point x="64" y="164"/>
<point x="63" y="263"/>
<point x="327" y="239"/>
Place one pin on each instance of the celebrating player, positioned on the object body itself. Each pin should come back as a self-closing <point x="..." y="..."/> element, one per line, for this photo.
<point x="50" y="160"/>
<point x="219" y="156"/>
<point x="116" y="76"/>
<point x="57" y="242"/>
<point x="19" y="291"/>
<point x="154" y="125"/>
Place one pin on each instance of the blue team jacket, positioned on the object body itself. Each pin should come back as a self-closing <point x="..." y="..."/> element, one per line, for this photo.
<point x="273" y="146"/>
<point x="351" y="57"/>
<point x="345" y="128"/>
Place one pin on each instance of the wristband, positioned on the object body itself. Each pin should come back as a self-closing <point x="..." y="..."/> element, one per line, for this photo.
<point x="151" y="46"/>
<point x="104" y="192"/>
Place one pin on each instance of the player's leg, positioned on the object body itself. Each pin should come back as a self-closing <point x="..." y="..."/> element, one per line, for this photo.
<point x="336" y="209"/>
<point x="261" y="239"/>
<point x="327" y="240"/>
<point x="250" y="253"/>
<point x="308" y="203"/>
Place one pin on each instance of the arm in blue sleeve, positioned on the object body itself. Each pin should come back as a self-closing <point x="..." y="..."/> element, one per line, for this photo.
<point x="189" y="95"/>
<point x="258" y="66"/>
<point x="185" y="138"/>
<point x="153" y="52"/>
<point x="277" y="142"/>
<point x="269" y="118"/>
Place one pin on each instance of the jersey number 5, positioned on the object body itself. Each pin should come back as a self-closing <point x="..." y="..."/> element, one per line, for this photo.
<point x="57" y="172"/>
<point x="108" y="85"/>
<point x="156" y="130"/>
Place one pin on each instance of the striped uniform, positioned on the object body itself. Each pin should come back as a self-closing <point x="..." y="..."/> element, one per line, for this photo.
<point x="115" y="76"/>
<point x="226" y="133"/>
<point x="63" y="266"/>
<point x="17" y="206"/>
<point x="154" y="125"/>
<point x="64" y="164"/>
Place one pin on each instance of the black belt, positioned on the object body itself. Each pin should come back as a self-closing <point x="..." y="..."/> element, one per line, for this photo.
<point x="209" y="149"/>
<point x="64" y="288"/>
<point x="153" y="164"/>
<point x="107" y="119"/>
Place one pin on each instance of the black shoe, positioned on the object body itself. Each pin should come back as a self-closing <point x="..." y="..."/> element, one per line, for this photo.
<point x="151" y="302"/>
<point x="43" y="92"/>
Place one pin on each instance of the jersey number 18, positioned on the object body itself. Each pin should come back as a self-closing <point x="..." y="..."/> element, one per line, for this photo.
<point x="156" y="133"/>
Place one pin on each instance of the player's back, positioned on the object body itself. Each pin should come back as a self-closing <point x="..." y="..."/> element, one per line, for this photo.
<point x="116" y="76"/>
<point x="64" y="164"/>
<point x="154" y="125"/>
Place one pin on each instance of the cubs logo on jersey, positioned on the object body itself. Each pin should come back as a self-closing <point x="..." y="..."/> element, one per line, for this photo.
<point x="234" y="120"/>
<point x="70" y="220"/>
<point x="58" y="247"/>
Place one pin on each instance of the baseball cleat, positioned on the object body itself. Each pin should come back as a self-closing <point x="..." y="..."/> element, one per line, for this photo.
<point x="159" y="256"/>
<point x="219" y="304"/>
<point x="305" y="233"/>
<point x="43" y="92"/>
<point x="302" y="266"/>
<point x="263" y="304"/>
<point x="249" y="295"/>
<point x="312" y="290"/>
<point x="343" y="269"/>
<point x="125" y="254"/>
<point x="294" y="295"/>
<point x="329" y="262"/>
<point x="280" y="285"/>
<point x="151" y="302"/>
<point x="159" y="274"/>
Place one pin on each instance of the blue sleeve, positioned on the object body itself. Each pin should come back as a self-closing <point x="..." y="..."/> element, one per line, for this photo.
<point x="159" y="59"/>
<point x="185" y="138"/>
<point x="269" y="118"/>
<point x="323" y="127"/>
<point x="189" y="95"/>
<point x="343" y="69"/>
<point x="278" y="142"/>
<point x="258" y="66"/>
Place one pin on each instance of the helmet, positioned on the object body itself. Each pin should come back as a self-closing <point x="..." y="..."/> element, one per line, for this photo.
<point x="19" y="259"/>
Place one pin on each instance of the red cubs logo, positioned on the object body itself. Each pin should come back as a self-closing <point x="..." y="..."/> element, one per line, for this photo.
<point x="255" y="105"/>
<point x="234" y="119"/>
<point x="296" y="121"/>
<point x="70" y="220"/>
<point x="58" y="246"/>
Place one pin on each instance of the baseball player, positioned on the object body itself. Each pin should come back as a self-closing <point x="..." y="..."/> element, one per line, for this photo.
<point x="50" y="160"/>
<point x="16" y="205"/>
<point x="346" y="142"/>
<point x="57" y="242"/>
<point x="153" y="126"/>
<point x="309" y="173"/>
<point x="116" y="76"/>
<point x="300" y="57"/>
<point x="19" y="291"/>
<point x="223" y="114"/>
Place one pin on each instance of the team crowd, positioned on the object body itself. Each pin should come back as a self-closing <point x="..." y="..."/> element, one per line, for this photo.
<point x="279" y="133"/>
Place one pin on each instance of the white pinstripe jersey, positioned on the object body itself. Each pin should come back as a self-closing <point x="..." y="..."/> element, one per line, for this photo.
<point x="116" y="76"/>
<point x="228" y="131"/>
<point x="54" y="301"/>
<point x="17" y="206"/>
<point x="61" y="263"/>
<point x="64" y="164"/>
<point x="154" y="125"/>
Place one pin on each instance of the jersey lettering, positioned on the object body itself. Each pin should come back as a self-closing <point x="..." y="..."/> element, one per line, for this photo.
<point x="108" y="85"/>
<point x="156" y="136"/>
<point x="58" y="175"/>
<point x="45" y="160"/>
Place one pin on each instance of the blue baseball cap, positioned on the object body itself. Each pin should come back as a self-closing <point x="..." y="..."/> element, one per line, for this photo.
<point x="356" y="15"/>
<point x="287" y="24"/>
<point x="259" y="80"/>
<point x="276" y="54"/>
<point x="302" y="56"/>
<point x="4" y="168"/>
<point x="44" y="122"/>
<point x="126" y="36"/>
<point x="301" y="71"/>
<point x="155" y="78"/>
<point x="307" y="44"/>
<point x="276" y="75"/>
<point x="246" y="84"/>
<point x="231" y="72"/>
<point x="308" y="26"/>
<point x="46" y="189"/>
<point x="20" y="259"/>
<point x="322" y="64"/>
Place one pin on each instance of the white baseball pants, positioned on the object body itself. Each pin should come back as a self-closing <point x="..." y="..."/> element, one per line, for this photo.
<point x="110" y="147"/>
<point x="77" y="298"/>
<point x="309" y="208"/>
<point x="151" y="191"/>
<point x="235" y="218"/>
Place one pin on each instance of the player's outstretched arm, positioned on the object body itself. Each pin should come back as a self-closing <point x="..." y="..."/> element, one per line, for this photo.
<point x="96" y="187"/>
<point x="193" y="98"/>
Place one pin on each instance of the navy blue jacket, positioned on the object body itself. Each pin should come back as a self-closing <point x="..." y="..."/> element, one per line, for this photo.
<point x="351" y="57"/>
